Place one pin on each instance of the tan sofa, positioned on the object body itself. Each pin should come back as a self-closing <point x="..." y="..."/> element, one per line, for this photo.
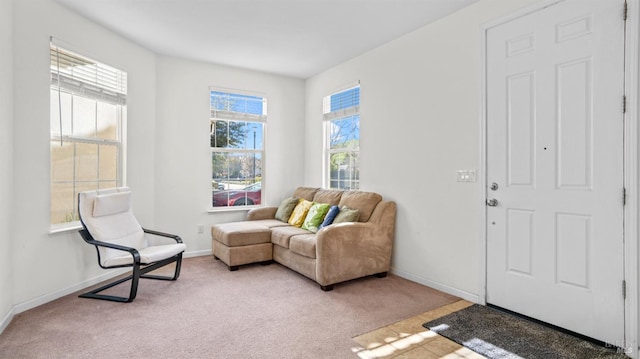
<point x="336" y="253"/>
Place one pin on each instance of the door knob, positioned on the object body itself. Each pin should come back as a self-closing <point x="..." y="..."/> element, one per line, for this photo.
<point x="492" y="202"/>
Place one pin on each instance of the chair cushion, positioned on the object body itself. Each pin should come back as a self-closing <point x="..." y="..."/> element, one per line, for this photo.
<point x="109" y="204"/>
<point x="148" y="255"/>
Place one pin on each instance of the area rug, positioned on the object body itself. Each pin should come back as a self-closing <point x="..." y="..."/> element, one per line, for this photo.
<point x="500" y="335"/>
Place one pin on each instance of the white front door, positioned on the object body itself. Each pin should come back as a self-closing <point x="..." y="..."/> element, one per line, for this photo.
<point x="555" y="82"/>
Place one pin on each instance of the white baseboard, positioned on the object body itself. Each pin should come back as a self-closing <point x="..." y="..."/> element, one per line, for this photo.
<point x="45" y="298"/>
<point x="205" y="252"/>
<point x="6" y="320"/>
<point x="436" y="285"/>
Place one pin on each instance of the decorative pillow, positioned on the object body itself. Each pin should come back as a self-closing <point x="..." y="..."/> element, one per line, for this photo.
<point x="286" y="207"/>
<point x="347" y="215"/>
<point x="300" y="213"/>
<point x="315" y="216"/>
<point x="331" y="215"/>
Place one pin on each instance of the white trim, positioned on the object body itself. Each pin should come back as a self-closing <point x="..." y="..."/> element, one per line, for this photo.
<point x="631" y="167"/>
<point x="631" y="180"/>
<point x="437" y="285"/>
<point x="6" y="320"/>
<point x="201" y="253"/>
<point x="49" y="297"/>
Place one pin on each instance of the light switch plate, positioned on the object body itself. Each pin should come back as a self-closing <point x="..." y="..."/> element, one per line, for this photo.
<point x="466" y="176"/>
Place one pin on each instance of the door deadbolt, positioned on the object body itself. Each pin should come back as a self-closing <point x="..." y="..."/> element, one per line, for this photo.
<point x="492" y="202"/>
<point x="494" y="186"/>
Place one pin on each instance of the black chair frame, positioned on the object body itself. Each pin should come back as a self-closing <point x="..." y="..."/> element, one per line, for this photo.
<point x="139" y="270"/>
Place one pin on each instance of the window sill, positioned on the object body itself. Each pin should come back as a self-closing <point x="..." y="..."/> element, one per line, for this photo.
<point x="66" y="228"/>
<point x="231" y="209"/>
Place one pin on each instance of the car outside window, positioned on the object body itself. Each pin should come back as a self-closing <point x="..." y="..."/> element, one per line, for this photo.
<point x="237" y="126"/>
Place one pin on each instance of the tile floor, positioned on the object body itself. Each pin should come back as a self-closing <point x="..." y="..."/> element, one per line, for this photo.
<point x="408" y="339"/>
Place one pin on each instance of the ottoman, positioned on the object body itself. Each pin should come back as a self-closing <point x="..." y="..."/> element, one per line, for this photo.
<point x="239" y="243"/>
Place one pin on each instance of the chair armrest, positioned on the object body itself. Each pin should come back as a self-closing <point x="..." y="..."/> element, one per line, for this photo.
<point x="351" y="250"/>
<point x="163" y="234"/>
<point x="89" y="239"/>
<point x="255" y="214"/>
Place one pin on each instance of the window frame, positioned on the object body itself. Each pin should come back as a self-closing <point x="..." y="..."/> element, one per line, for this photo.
<point x="330" y="117"/>
<point x="245" y="120"/>
<point x="81" y="88"/>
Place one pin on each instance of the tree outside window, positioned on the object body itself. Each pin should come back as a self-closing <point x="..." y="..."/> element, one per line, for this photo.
<point x="342" y="142"/>
<point x="237" y="126"/>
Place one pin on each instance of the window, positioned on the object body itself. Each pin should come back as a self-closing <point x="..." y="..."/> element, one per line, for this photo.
<point x="88" y="108"/>
<point x="237" y="127"/>
<point x="341" y="112"/>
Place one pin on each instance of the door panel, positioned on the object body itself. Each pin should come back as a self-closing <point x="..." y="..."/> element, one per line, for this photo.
<point x="554" y="147"/>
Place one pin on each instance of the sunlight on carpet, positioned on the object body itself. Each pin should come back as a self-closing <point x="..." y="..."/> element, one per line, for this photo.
<point x="408" y="339"/>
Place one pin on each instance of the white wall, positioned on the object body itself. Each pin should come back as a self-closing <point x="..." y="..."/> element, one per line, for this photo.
<point x="183" y="166"/>
<point x="6" y="159"/>
<point x="42" y="263"/>
<point x="419" y="125"/>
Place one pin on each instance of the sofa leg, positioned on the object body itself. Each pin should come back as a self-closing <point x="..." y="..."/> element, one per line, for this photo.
<point x="233" y="268"/>
<point x="327" y="288"/>
<point x="381" y="275"/>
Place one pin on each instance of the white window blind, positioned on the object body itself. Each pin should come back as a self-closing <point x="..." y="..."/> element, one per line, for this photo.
<point x="82" y="76"/>
<point x="238" y="107"/>
<point x="343" y="103"/>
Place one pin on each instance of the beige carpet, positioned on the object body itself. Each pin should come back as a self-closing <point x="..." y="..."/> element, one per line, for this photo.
<point x="255" y="312"/>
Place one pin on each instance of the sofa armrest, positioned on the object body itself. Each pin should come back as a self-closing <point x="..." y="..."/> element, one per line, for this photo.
<point x="346" y="251"/>
<point x="255" y="214"/>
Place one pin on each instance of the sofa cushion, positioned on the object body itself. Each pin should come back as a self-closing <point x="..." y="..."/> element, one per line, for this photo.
<point x="281" y="235"/>
<point x="315" y="216"/>
<point x="305" y="193"/>
<point x="240" y="233"/>
<point x="270" y="223"/>
<point x="347" y="214"/>
<point x="304" y="245"/>
<point x="300" y="213"/>
<point x="286" y="208"/>
<point x="365" y="202"/>
<point x="330" y="196"/>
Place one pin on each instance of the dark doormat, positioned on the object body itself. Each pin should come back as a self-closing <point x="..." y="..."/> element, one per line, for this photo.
<point x="500" y="335"/>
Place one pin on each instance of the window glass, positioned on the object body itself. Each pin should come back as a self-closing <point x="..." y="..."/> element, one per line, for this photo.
<point x="237" y="126"/>
<point x="342" y="141"/>
<point x="87" y="110"/>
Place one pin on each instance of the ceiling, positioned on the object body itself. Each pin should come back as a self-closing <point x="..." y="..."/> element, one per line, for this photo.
<point x="298" y="38"/>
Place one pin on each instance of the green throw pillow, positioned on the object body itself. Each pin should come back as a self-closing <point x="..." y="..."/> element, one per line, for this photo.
<point x="315" y="216"/>
<point x="286" y="207"/>
<point x="347" y="215"/>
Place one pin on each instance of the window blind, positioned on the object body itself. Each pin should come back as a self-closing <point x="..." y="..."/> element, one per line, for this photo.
<point x="341" y="104"/>
<point x="84" y="77"/>
<point x="230" y="106"/>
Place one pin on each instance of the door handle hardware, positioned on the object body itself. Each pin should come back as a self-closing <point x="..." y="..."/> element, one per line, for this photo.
<point x="492" y="202"/>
